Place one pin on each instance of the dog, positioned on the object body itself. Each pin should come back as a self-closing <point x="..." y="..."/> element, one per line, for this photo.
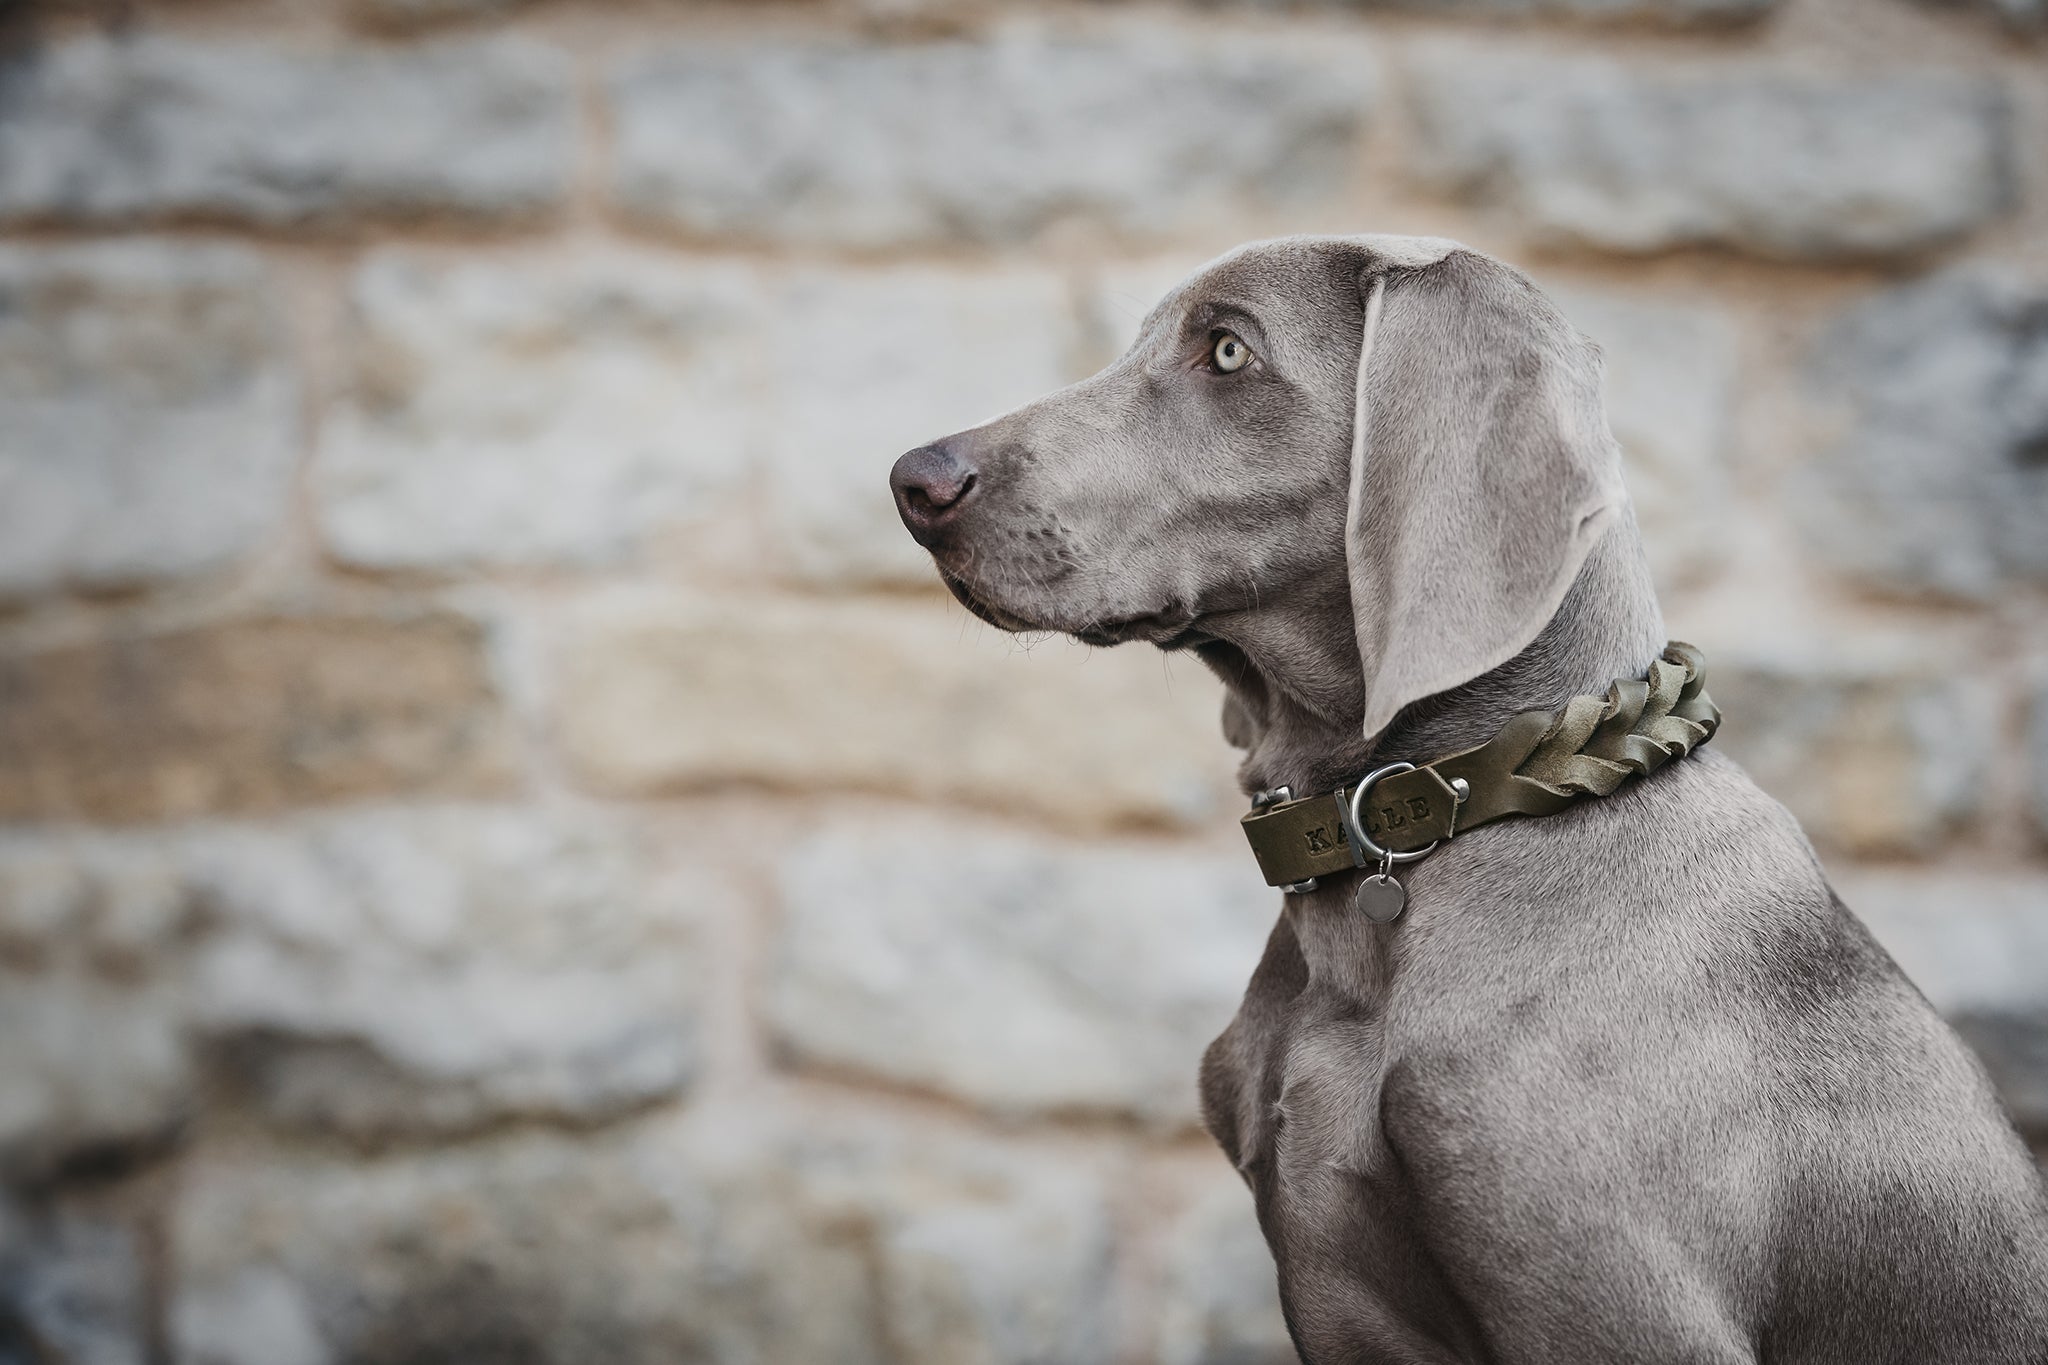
<point x="1625" y="1083"/>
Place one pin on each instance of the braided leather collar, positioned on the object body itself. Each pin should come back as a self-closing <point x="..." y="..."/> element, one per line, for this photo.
<point x="1539" y="763"/>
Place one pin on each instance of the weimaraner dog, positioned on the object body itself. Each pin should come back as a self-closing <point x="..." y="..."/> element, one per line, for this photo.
<point x="1624" y="1083"/>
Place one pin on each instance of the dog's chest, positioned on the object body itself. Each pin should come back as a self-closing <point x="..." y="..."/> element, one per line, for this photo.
<point x="1294" y="1092"/>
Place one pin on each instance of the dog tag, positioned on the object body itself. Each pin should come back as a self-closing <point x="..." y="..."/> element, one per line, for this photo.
<point x="1380" y="898"/>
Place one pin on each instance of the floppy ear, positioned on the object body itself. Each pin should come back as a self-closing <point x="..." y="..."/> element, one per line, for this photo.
<point x="1482" y="472"/>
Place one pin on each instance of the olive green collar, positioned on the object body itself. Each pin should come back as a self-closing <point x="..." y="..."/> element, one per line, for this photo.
<point x="1539" y="763"/>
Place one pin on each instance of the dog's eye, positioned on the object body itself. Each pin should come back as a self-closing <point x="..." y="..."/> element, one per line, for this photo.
<point x="1229" y="354"/>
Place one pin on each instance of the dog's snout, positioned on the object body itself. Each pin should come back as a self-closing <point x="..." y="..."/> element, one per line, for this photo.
<point x="931" y="484"/>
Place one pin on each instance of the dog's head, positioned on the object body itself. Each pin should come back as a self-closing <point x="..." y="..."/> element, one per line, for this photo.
<point x="1399" y="416"/>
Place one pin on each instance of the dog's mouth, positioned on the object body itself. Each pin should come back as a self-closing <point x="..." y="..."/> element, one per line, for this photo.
<point x="988" y="611"/>
<point x="1169" y="629"/>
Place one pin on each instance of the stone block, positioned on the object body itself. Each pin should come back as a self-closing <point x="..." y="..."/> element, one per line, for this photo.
<point x="73" y="1290"/>
<point x="993" y="141"/>
<point x="1670" y="391"/>
<point x="864" y="366"/>
<point x="92" y="1062"/>
<point x="1873" y="757"/>
<point x="250" y="715"/>
<point x="1939" y="486"/>
<point x="1976" y="944"/>
<point x="148" y="413"/>
<point x="900" y="697"/>
<point x="1016" y="973"/>
<point x="2020" y="16"/>
<point x="1222" y="1298"/>
<point x="1649" y="157"/>
<point x="521" y="412"/>
<point x="379" y="974"/>
<point x="91" y="1067"/>
<point x="255" y="1316"/>
<point x="407" y="973"/>
<point x="723" y="1243"/>
<point x="139" y="128"/>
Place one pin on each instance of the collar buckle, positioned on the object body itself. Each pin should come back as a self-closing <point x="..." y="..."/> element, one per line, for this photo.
<point x="1363" y="849"/>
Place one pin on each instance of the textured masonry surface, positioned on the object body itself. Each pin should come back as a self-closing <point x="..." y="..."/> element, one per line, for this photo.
<point x="505" y="851"/>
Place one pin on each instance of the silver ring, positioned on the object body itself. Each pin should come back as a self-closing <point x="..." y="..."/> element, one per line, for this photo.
<point x="1361" y="843"/>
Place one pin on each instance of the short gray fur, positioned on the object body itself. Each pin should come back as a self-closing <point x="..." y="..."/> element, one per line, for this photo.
<point x="1626" y="1084"/>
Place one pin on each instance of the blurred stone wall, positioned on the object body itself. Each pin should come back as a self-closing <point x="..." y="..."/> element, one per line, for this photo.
<point x="506" y="855"/>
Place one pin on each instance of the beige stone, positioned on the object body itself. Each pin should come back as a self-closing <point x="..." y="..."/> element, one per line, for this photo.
<point x="254" y="715"/>
<point x="910" y="698"/>
<point x="1669" y="387"/>
<point x="1874" y="758"/>
<point x="1023" y="974"/>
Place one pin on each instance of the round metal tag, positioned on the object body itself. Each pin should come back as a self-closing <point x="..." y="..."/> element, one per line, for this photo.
<point x="1380" y="899"/>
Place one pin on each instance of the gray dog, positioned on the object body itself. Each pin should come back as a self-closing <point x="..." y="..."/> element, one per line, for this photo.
<point x="1626" y="1083"/>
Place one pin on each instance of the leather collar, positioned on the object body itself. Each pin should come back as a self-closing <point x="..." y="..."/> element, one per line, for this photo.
<point x="1539" y="763"/>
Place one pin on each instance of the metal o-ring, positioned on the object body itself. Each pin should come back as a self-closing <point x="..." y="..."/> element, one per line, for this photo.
<point x="1360" y="840"/>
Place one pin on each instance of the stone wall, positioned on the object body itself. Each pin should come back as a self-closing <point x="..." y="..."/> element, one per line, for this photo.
<point x="504" y="854"/>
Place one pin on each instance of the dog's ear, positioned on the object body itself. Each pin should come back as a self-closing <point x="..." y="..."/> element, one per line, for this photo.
<point x="1482" y="472"/>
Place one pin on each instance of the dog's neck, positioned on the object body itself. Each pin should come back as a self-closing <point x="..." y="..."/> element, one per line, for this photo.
<point x="1295" y="678"/>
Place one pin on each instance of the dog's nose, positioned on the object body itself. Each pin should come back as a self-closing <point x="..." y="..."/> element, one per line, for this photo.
<point x="931" y="483"/>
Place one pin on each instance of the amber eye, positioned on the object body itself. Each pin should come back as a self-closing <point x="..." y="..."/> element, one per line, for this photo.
<point x="1229" y="354"/>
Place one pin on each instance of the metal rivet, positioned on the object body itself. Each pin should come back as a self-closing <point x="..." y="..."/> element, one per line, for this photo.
<point x="1462" y="788"/>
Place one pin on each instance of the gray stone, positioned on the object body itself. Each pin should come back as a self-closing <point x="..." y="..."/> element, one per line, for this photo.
<point x="1645" y="158"/>
<point x="92" y="1062"/>
<point x="1019" y="974"/>
<point x="148" y="413"/>
<point x="605" y="408"/>
<point x="713" y="1240"/>
<point x="1977" y="945"/>
<point x="255" y="1316"/>
<point x="72" y="1290"/>
<point x="863" y="366"/>
<point x="988" y="141"/>
<point x="1222" y="1299"/>
<point x="1670" y="394"/>
<point x="90" y="1067"/>
<point x="532" y="413"/>
<point x="380" y="974"/>
<point x="120" y="130"/>
<point x="661" y="694"/>
<point x="1874" y="757"/>
<point x="424" y="972"/>
<point x="2021" y="16"/>
<point x="1940" y="486"/>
